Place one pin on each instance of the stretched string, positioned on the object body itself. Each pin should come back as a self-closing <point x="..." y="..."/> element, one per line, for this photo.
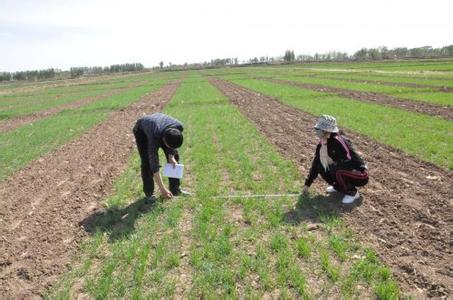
<point x="256" y="196"/>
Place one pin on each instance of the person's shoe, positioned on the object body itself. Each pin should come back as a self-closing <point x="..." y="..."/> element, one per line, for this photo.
<point x="330" y="189"/>
<point x="348" y="199"/>
<point x="182" y="193"/>
<point x="150" y="199"/>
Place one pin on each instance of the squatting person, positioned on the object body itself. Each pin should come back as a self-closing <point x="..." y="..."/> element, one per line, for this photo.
<point x="336" y="161"/>
<point x="151" y="133"/>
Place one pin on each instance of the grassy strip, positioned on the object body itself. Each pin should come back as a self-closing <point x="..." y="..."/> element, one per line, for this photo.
<point x="21" y="146"/>
<point x="415" y="65"/>
<point x="24" y="89"/>
<point x="427" y="80"/>
<point x="426" y="137"/>
<point x="244" y="247"/>
<point x="418" y="94"/>
<point x="16" y="106"/>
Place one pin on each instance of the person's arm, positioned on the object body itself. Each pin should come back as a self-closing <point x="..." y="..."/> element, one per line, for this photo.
<point x="154" y="167"/>
<point x="314" y="170"/>
<point x="172" y="160"/>
<point x="171" y="155"/>
<point x="163" y="190"/>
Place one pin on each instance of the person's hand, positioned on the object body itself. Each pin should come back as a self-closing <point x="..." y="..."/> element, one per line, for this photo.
<point x="166" y="194"/>
<point x="305" y="189"/>
<point x="172" y="160"/>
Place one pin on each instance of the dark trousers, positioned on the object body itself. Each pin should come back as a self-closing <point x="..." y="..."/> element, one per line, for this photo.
<point x="147" y="176"/>
<point x="346" y="181"/>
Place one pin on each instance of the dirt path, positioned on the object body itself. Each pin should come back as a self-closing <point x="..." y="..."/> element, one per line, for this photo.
<point x="410" y="105"/>
<point x="42" y="205"/>
<point x="407" y="211"/>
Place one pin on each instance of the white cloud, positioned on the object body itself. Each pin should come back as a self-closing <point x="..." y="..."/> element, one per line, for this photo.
<point x="40" y="34"/>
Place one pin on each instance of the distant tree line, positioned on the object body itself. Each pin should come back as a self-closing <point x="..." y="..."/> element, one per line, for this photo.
<point x="73" y="72"/>
<point x="364" y="54"/>
<point x="380" y="53"/>
<point x="214" y="63"/>
<point x="28" y="75"/>
<point x="403" y="53"/>
<point x="79" y="71"/>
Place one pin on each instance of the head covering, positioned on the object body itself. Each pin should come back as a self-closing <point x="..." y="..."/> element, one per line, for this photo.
<point x="327" y="123"/>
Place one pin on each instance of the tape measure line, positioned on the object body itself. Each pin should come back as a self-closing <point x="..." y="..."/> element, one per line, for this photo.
<point x="256" y="196"/>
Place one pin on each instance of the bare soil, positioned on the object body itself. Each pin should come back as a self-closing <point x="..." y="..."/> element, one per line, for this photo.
<point x="43" y="204"/>
<point x="406" y="210"/>
<point x="445" y="112"/>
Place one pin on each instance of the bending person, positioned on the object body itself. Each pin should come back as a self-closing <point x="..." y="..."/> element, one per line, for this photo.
<point x="337" y="162"/>
<point x="151" y="133"/>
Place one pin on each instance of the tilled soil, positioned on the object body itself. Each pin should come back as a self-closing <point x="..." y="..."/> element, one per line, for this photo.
<point x="16" y="122"/>
<point x="406" y="212"/>
<point x="445" y="112"/>
<point x="43" y="203"/>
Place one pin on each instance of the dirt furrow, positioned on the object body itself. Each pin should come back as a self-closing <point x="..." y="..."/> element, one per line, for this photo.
<point x="406" y="213"/>
<point x="43" y="203"/>
<point x="410" y="105"/>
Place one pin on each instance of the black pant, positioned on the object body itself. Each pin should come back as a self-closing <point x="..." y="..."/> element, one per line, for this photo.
<point x="348" y="180"/>
<point x="343" y="180"/>
<point x="147" y="176"/>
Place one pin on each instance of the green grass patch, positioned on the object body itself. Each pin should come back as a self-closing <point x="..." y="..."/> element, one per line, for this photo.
<point x="419" y="94"/>
<point x="386" y="78"/>
<point x="16" y="104"/>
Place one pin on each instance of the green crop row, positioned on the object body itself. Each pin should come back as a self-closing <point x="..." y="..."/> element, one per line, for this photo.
<point x="16" y="105"/>
<point x="431" y="95"/>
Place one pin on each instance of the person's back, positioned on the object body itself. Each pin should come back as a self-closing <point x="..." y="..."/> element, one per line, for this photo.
<point x="151" y="133"/>
<point x="154" y="125"/>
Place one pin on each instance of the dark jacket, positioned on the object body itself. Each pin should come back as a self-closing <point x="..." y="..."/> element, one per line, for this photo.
<point x="154" y="127"/>
<point x="340" y="150"/>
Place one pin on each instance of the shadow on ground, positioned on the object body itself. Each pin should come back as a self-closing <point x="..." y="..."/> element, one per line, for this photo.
<point x="117" y="222"/>
<point x="315" y="208"/>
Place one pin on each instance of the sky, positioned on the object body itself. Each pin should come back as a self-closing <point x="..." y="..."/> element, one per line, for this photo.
<point x="59" y="34"/>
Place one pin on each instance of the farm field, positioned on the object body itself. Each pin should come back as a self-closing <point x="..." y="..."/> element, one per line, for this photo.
<point x="435" y="66"/>
<point x="74" y="222"/>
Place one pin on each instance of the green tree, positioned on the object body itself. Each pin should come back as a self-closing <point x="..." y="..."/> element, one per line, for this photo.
<point x="289" y="56"/>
